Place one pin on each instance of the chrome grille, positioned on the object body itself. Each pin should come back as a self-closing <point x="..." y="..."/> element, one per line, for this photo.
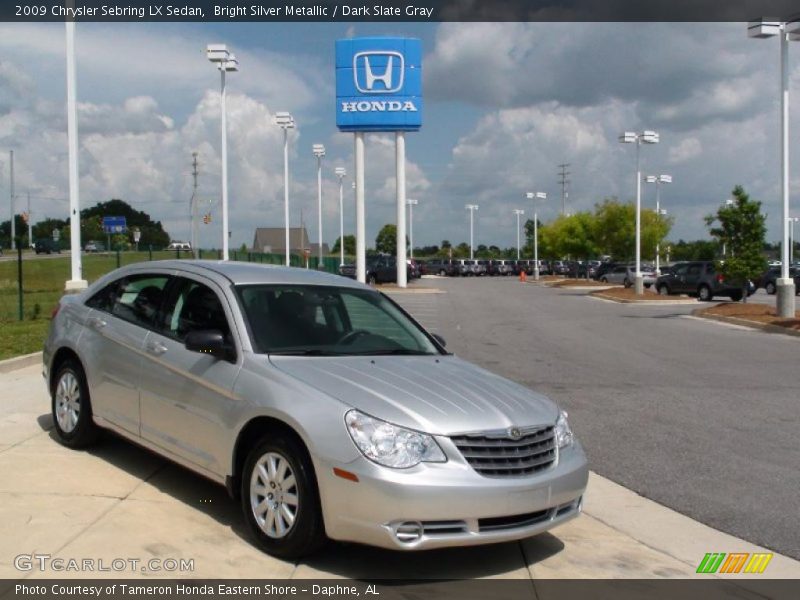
<point x="496" y="455"/>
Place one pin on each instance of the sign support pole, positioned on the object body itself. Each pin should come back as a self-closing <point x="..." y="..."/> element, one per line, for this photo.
<point x="361" y="226"/>
<point x="400" y="156"/>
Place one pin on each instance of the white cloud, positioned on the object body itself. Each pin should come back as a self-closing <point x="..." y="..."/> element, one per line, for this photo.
<point x="686" y="149"/>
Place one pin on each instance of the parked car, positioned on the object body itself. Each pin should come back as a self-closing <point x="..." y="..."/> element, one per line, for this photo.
<point x="483" y="267"/>
<point x="604" y="268"/>
<point x="626" y="275"/>
<point x="93" y="246"/>
<point x="699" y="278"/>
<point x="381" y="268"/>
<point x="299" y="391"/>
<point x="422" y="267"/>
<point x="46" y="246"/>
<point x="178" y="245"/>
<point x="412" y="271"/>
<point x="442" y="266"/>
<point x="769" y="279"/>
<point x="560" y="267"/>
<point x="505" y="267"/>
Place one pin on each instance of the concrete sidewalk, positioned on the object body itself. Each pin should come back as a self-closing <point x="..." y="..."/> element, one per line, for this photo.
<point x="118" y="501"/>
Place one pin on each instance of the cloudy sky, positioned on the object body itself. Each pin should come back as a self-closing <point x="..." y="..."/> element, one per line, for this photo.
<point x="505" y="104"/>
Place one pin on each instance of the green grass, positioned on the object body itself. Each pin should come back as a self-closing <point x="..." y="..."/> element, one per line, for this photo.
<point x="43" y="285"/>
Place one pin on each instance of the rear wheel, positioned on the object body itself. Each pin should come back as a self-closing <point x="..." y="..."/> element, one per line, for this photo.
<point x="604" y="280"/>
<point x="736" y="296"/>
<point x="663" y="290"/>
<point x="770" y="288"/>
<point x="280" y="499"/>
<point x="704" y="293"/>
<point x="442" y="273"/>
<point x="627" y="283"/>
<point x="371" y="279"/>
<point x="71" y="407"/>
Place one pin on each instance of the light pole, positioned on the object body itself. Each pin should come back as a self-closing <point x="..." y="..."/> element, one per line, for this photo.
<point x="471" y="208"/>
<point x="646" y="137"/>
<point x="286" y="122"/>
<point x="536" y="196"/>
<point x="658" y="180"/>
<point x="792" y="221"/>
<point x="519" y="212"/>
<point x="319" y="152"/>
<point x="787" y="31"/>
<point x="728" y="202"/>
<point x="341" y="173"/>
<point x="226" y="62"/>
<point x="412" y="202"/>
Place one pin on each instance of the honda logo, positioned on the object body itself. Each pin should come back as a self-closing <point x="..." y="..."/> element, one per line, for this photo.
<point x="373" y="77"/>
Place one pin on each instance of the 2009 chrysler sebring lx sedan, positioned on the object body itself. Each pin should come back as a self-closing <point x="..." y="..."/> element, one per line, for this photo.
<point x="317" y="401"/>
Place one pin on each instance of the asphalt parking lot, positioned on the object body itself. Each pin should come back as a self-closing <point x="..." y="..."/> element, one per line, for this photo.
<point x="119" y="501"/>
<point x="699" y="416"/>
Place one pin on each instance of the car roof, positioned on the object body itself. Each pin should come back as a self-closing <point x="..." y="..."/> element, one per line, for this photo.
<point x="242" y="273"/>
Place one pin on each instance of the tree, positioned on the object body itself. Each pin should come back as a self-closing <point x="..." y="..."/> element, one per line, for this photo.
<point x="742" y="228"/>
<point x="349" y="245"/>
<point x="568" y="236"/>
<point x="696" y="250"/>
<point x="152" y="231"/>
<point x="386" y="241"/>
<point x="615" y="229"/>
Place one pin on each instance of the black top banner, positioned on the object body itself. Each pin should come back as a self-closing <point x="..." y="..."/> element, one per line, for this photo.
<point x="395" y="10"/>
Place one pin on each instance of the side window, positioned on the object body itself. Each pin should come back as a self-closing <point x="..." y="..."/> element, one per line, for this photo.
<point x="694" y="270"/>
<point x="136" y="299"/>
<point x="194" y="307"/>
<point x="680" y="270"/>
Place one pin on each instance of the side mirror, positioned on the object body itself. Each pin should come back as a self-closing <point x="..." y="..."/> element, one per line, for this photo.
<point x="440" y="339"/>
<point x="206" y="341"/>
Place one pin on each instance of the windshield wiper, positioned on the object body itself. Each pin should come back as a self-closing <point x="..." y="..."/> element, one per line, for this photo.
<point x="306" y="352"/>
<point x="394" y="352"/>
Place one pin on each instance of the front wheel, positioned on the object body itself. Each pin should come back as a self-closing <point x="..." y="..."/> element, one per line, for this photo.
<point x="663" y="290"/>
<point x="71" y="407"/>
<point x="442" y="273"/>
<point x="280" y="499"/>
<point x="770" y="288"/>
<point x="371" y="279"/>
<point x="603" y="280"/>
<point x="704" y="293"/>
<point x="627" y="283"/>
<point x="736" y="296"/>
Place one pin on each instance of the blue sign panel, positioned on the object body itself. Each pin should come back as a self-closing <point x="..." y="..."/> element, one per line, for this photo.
<point x="114" y="224"/>
<point x="379" y="84"/>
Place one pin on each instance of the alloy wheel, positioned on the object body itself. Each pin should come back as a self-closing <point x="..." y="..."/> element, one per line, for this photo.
<point x="68" y="402"/>
<point x="274" y="496"/>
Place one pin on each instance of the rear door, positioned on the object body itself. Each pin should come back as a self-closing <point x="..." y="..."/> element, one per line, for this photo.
<point x="186" y="397"/>
<point x="694" y="274"/>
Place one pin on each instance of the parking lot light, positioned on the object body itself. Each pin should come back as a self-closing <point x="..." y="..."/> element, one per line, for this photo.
<point x="471" y="208"/>
<point x="341" y="173"/>
<point x="286" y="122"/>
<point x="787" y="31"/>
<point x="412" y="202"/>
<point x="319" y="152"/>
<point x="225" y="62"/>
<point x="535" y="196"/>
<point x="646" y="137"/>
<point x="519" y="212"/>
<point x="658" y="180"/>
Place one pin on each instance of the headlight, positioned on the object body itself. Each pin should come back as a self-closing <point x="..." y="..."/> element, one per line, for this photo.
<point x="390" y="445"/>
<point x="564" y="435"/>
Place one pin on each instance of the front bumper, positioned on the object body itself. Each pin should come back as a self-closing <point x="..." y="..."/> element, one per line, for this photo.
<point x="435" y="505"/>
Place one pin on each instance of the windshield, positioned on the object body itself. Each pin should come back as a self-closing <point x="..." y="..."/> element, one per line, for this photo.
<point x="328" y="321"/>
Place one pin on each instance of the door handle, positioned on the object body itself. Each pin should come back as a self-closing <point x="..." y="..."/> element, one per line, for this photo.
<point x="96" y="322"/>
<point x="156" y="348"/>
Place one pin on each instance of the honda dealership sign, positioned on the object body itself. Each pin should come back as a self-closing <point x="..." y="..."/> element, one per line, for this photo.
<point x="379" y="84"/>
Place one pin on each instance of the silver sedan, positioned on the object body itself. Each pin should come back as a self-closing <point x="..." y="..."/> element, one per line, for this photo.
<point x="323" y="407"/>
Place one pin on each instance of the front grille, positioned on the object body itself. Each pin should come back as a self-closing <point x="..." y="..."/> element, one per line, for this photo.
<point x="512" y="522"/>
<point x="494" y="455"/>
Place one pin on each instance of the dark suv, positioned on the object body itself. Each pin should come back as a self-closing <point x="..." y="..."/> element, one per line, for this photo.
<point x="769" y="279"/>
<point x="699" y="278"/>
<point x="47" y="246"/>
<point x="441" y="266"/>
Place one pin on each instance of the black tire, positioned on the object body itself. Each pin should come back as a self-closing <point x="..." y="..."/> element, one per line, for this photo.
<point x="442" y="273"/>
<point x="603" y="280"/>
<point x="626" y="283"/>
<point x="648" y="285"/>
<point x="63" y="404"/>
<point x="770" y="288"/>
<point x="662" y="290"/>
<point x="704" y="293"/>
<point x="371" y="279"/>
<point x="736" y="296"/>
<point x="307" y="532"/>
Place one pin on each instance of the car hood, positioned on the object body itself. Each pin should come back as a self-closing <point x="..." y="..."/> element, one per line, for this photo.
<point x="436" y="394"/>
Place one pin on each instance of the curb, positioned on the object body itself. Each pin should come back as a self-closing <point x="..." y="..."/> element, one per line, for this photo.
<point x="20" y="362"/>
<point x="746" y="322"/>
<point x="647" y="302"/>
